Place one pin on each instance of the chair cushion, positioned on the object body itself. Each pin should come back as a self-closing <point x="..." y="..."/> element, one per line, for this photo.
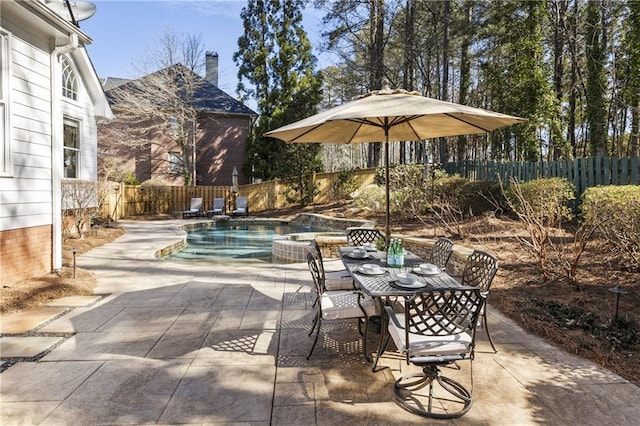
<point x="344" y="304"/>
<point x="338" y="280"/>
<point x="454" y="343"/>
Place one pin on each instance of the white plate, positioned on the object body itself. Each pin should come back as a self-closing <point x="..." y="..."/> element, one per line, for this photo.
<point x="419" y="271"/>
<point x="370" y="247"/>
<point x="416" y="284"/>
<point x="379" y="272"/>
<point x="355" y="256"/>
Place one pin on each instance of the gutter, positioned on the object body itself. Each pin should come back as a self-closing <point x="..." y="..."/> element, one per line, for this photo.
<point x="43" y="12"/>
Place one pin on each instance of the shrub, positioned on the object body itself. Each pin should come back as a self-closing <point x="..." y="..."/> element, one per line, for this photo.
<point x="79" y="204"/>
<point x="130" y="179"/>
<point x="342" y="188"/>
<point x="470" y="198"/>
<point x="401" y="176"/>
<point x="409" y="190"/>
<point x="300" y="189"/>
<point x="154" y="195"/>
<point x="547" y="200"/>
<point x="615" y="210"/>
<point x="370" y="198"/>
<point x="542" y="206"/>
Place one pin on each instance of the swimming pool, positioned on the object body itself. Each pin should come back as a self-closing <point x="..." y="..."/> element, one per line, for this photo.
<point x="237" y="240"/>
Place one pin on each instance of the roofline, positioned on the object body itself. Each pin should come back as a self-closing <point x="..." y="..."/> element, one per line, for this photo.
<point x="41" y="10"/>
<point x="227" y="114"/>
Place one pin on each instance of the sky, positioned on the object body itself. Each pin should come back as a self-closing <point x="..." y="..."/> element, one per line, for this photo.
<point x="123" y="30"/>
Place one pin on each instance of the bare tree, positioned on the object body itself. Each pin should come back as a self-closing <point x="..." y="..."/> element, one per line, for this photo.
<point x="158" y="109"/>
<point x="80" y="203"/>
<point x="171" y="48"/>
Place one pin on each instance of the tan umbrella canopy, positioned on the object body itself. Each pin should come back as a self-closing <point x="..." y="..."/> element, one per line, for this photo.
<point x="392" y="115"/>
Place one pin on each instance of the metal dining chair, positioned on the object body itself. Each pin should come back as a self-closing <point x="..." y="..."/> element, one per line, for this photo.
<point x="333" y="280"/>
<point x="338" y="305"/>
<point x="360" y="236"/>
<point x="441" y="252"/>
<point x="479" y="270"/>
<point x="435" y="329"/>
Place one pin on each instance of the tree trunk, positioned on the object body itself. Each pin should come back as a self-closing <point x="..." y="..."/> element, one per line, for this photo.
<point x="573" y="83"/>
<point x="444" y="148"/>
<point x="376" y="64"/>
<point x="465" y="73"/>
<point x="560" y="8"/>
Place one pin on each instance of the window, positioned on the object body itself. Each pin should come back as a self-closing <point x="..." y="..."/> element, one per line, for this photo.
<point x="173" y="124"/>
<point x="174" y="162"/>
<point x="5" y="140"/>
<point x="69" y="80"/>
<point x="71" y="148"/>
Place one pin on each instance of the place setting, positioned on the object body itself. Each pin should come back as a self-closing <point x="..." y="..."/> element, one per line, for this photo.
<point x="407" y="281"/>
<point x="359" y="253"/>
<point x="371" y="269"/>
<point x="426" y="269"/>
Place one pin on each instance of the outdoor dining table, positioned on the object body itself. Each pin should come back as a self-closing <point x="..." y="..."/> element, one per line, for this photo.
<point x="383" y="287"/>
<point x="386" y="284"/>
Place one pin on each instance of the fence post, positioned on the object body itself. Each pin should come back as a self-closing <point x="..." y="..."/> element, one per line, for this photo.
<point x="635" y="170"/>
<point x="624" y="172"/>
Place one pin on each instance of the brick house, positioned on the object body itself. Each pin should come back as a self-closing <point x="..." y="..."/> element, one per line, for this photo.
<point x="50" y="102"/>
<point x="224" y="124"/>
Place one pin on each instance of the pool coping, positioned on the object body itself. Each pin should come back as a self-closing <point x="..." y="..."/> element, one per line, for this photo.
<point x="289" y="250"/>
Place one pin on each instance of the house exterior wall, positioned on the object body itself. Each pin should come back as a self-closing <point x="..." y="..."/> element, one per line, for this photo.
<point x="158" y="164"/>
<point x="222" y="146"/>
<point x="30" y="200"/>
<point x="26" y="194"/>
<point x="25" y="252"/>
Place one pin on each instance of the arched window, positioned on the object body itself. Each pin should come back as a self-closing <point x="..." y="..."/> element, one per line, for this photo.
<point x="69" y="80"/>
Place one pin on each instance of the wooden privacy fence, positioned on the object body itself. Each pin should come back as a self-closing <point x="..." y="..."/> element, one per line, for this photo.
<point x="273" y="194"/>
<point x="582" y="172"/>
<point x="128" y="200"/>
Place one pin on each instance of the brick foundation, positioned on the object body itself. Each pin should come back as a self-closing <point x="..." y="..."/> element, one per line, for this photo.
<point x="25" y="253"/>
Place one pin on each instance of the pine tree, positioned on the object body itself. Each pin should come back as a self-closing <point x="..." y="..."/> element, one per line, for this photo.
<point x="632" y="47"/>
<point x="277" y="69"/>
<point x="596" y="113"/>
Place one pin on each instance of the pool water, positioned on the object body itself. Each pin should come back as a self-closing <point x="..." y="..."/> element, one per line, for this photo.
<point x="250" y="241"/>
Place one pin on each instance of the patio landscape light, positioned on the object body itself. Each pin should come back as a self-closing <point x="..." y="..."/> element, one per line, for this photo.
<point x="618" y="291"/>
<point x="234" y="181"/>
<point x="74" y="250"/>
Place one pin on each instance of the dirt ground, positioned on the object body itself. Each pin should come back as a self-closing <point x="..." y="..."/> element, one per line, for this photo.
<point x="40" y="290"/>
<point x="578" y="316"/>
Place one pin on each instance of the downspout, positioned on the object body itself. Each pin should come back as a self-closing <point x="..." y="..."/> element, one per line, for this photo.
<point x="57" y="148"/>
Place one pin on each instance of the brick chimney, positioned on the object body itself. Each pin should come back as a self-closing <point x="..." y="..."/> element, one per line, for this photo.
<point x="212" y="68"/>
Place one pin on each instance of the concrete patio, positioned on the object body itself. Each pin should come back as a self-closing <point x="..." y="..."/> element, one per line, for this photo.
<point x="225" y="343"/>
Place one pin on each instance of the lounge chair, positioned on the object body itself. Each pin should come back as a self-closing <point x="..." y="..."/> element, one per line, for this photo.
<point x="218" y="207"/>
<point x="241" y="207"/>
<point x="195" y="209"/>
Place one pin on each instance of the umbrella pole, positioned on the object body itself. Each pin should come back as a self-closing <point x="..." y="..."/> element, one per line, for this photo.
<point x="387" y="226"/>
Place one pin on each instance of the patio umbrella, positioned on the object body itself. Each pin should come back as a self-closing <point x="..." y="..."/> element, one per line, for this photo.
<point x="391" y="115"/>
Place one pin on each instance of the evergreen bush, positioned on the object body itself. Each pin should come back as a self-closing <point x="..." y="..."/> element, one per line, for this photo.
<point x="547" y="199"/>
<point x="154" y="195"/>
<point x="616" y="212"/>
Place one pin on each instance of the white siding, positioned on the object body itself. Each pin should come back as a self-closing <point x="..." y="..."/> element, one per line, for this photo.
<point x="25" y="198"/>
